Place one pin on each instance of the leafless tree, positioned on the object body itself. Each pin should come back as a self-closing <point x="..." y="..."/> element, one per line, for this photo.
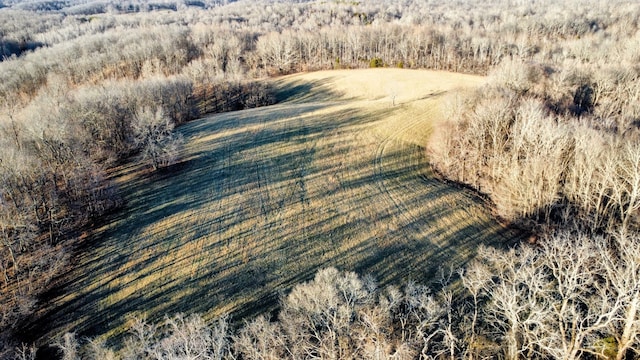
<point x="278" y="52"/>
<point x="68" y="345"/>
<point x="154" y="136"/>
<point x="621" y="268"/>
<point x="558" y="300"/>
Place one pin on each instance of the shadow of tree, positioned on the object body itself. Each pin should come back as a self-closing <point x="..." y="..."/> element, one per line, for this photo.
<point x="264" y="198"/>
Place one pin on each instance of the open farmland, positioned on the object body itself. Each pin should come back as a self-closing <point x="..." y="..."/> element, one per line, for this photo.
<point x="334" y="175"/>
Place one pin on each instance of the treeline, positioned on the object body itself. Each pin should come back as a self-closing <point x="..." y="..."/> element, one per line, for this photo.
<point x="552" y="137"/>
<point x="88" y="7"/>
<point x="574" y="297"/>
<point x="455" y="36"/>
<point x="552" y="146"/>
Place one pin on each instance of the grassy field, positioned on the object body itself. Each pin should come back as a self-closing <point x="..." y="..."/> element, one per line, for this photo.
<point x="334" y="175"/>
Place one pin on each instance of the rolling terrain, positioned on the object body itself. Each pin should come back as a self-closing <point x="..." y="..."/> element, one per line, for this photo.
<point x="334" y="175"/>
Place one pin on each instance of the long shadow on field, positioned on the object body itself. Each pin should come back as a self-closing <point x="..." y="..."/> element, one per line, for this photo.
<point x="305" y="91"/>
<point x="264" y="199"/>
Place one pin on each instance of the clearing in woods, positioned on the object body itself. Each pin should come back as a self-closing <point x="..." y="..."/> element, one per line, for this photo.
<point x="334" y="175"/>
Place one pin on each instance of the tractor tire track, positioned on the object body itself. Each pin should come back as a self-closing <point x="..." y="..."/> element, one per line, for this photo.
<point x="382" y="180"/>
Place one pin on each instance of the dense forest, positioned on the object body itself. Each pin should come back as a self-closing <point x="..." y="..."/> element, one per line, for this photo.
<point x="552" y="139"/>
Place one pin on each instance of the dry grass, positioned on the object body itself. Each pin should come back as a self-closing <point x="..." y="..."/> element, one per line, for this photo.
<point x="335" y="175"/>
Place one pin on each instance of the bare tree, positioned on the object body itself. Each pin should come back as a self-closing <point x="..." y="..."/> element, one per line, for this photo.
<point x="141" y="340"/>
<point x="513" y="310"/>
<point x="25" y="352"/>
<point x="154" y="136"/>
<point x="553" y="301"/>
<point x="68" y="346"/>
<point x="532" y="164"/>
<point x="621" y="267"/>
<point x="263" y="340"/>
<point x="191" y="338"/>
<point x="627" y="191"/>
<point x="278" y="52"/>
<point x="475" y="278"/>
<point x="579" y="307"/>
<point x="97" y="350"/>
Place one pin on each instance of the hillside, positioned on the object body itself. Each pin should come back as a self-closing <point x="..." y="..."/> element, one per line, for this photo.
<point x="333" y="175"/>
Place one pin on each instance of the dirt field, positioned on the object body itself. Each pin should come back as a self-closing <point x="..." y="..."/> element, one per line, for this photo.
<point x="334" y="175"/>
